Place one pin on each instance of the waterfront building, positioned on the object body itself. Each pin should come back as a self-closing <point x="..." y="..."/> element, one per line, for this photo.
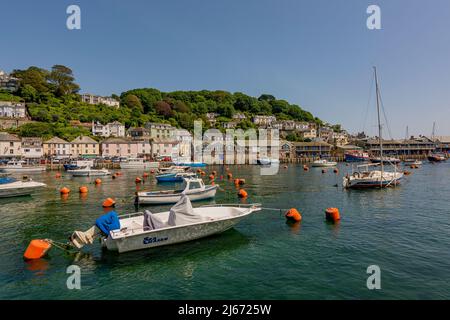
<point x="32" y="147"/>
<point x="311" y="149"/>
<point x="160" y="130"/>
<point x="163" y="147"/>
<point x="8" y="83"/>
<point x="286" y="148"/>
<point x="112" y="129"/>
<point x="125" y="147"/>
<point x="400" y="147"/>
<point x="442" y="143"/>
<point x="84" y="146"/>
<point x="12" y="110"/>
<point x="57" y="147"/>
<point x="10" y="145"/>
<point x="94" y="99"/>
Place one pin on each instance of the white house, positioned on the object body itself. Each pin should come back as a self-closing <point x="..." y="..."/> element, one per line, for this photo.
<point x="112" y="129"/>
<point x="125" y="147"/>
<point x="9" y="109"/>
<point x="184" y="139"/>
<point x="10" y="145"/>
<point x="7" y="82"/>
<point x="94" y="99"/>
<point x="32" y="147"/>
<point x="264" y="120"/>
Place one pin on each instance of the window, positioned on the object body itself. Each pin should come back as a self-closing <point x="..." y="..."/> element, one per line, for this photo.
<point x="194" y="185"/>
<point x="11" y="151"/>
<point x="11" y="144"/>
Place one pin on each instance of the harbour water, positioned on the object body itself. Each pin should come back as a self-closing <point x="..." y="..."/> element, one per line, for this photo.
<point x="403" y="230"/>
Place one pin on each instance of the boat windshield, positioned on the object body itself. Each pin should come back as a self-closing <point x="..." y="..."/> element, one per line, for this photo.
<point x="5" y="180"/>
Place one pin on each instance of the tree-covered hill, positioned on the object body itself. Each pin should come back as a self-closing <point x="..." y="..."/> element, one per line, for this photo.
<point x="52" y="100"/>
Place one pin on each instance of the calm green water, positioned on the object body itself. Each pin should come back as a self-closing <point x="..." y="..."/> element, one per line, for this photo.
<point x="405" y="231"/>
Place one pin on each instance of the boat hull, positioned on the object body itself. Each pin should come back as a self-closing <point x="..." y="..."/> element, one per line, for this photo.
<point x="17" y="189"/>
<point x="322" y="165"/>
<point x="23" y="169"/>
<point x="140" y="166"/>
<point x="92" y="173"/>
<point x="355" y="158"/>
<point x="170" y="236"/>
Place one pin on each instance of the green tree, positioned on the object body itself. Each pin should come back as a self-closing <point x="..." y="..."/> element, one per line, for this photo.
<point x="62" y="80"/>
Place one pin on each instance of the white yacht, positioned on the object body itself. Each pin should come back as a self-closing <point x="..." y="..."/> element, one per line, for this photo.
<point x="324" y="163"/>
<point x="11" y="187"/>
<point x="20" y="166"/>
<point x="88" y="172"/>
<point x="138" y="163"/>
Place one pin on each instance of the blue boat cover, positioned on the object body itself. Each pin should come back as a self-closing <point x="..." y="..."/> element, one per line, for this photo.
<point x="108" y="222"/>
<point x="5" y="180"/>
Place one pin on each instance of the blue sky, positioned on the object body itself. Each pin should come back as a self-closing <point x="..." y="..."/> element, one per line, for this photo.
<point x="315" y="53"/>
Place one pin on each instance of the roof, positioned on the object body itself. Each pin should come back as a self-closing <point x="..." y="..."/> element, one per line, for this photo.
<point x="56" y="140"/>
<point x="138" y="129"/>
<point x="5" y="136"/>
<point x="165" y="141"/>
<point x="116" y="140"/>
<point x="311" y="144"/>
<point x="350" y="147"/>
<point x="443" y="139"/>
<point x="387" y="142"/>
<point x="83" y="139"/>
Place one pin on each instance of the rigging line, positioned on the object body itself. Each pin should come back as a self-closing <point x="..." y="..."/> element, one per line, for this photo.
<point x="366" y="113"/>
<point x="384" y="112"/>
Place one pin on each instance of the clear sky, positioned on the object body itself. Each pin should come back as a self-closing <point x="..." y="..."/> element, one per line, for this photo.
<point x="315" y="53"/>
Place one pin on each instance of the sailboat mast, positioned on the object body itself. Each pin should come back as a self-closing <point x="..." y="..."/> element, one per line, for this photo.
<point x="380" y="140"/>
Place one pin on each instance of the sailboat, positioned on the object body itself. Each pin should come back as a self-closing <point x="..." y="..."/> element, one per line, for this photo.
<point x="435" y="157"/>
<point x="365" y="178"/>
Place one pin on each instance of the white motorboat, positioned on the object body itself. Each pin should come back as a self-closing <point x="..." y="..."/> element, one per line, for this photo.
<point x="88" y="172"/>
<point x="148" y="230"/>
<point x="385" y="160"/>
<point x="265" y="161"/>
<point x="138" y="163"/>
<point x="10" y="187"/>
<point x="412" y="162"/>
<point x="323" y="163"/>
<point x="194" y="188"/>
<point x="21" y="167"/>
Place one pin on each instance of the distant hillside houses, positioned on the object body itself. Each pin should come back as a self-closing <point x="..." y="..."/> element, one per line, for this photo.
<point x="94" y="99"/>
<point x="7" y="82"/>
<point x="112" y="129"/>
<point x="12" y="110"/>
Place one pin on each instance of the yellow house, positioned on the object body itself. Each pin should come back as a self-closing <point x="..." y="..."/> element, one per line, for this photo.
<point x="57" y="147"/>
<point x="85" y="146"/>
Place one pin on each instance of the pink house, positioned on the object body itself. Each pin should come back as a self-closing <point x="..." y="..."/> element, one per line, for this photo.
<point x="122" y="147"/>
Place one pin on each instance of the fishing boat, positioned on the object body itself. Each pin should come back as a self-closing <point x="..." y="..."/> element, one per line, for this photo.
<point x="365" y="178"/>
<point x="436" y="157"/>
<point x="174" y="176"/>
<point x="88" y="172"/>
<point x="11" y="187"/>
<point x="20" y="166"/>
<point x="323" y="163"/>
<point x="138" y="163"/>
<point x="145" y="230"/>
<point x="356" y="156"/>
<point x="194" y="188"/>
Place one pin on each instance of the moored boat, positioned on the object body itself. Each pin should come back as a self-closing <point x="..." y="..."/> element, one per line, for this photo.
<point x="138" y="163"/>
<point x="146" y="230"/>
<point x="21" y="167"/>
<point x="323" y="163"/>
<point x="11" y="187"/>
<point x="356" y="156"/>
<point x="88" y="172"/>
<point x="191" y="164"/>
<point x="385" y="160"/>
<point x="412" y="162"/>
<point x="194" y="188"/>
<point x="174" y="176"/>
<point x="436" y="157"/>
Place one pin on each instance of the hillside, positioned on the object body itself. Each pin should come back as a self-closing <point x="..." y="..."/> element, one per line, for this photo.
<point x="52" y="100"/>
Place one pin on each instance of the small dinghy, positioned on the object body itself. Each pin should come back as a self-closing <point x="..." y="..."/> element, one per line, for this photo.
<point x="194" y="188"/>
<point x="147" y="230"/>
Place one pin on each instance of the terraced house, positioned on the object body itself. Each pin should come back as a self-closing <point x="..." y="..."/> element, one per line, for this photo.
<point x="125" y="147"/>
<point x="57" y="147"/>
<point x="10" y="145"/>
<point x="84" y="146"/>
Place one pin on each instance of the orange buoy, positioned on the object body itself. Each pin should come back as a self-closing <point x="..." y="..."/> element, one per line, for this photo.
<point x="236" y="181"/>
<point x="98" y="181"/>
<point x="118" y="173"/>
<point x="324" y="170"/>
<point x="109" y="202"/>
<point x="203" y="173"/>
<point x="241" y="181"/>
<point x="214" y="172"/>
<point x="145" y="174"/>
<point x="58" y="175"/>
<point x="83" y="189"/>
<point x="293" y="214"/>
<point x="332" y="214"/>
<point x="113" y="176"/>
<point x="36" y="249"/>
<point x="305" y="168"/>
<point x="407" y="173"/>
<point x="152" y="171"/>
<point x="211" y="177"/>
<point x="285" y="167"/>
<point x="242" y="193"/>
<point x="64" y="190"/>
<point x="212" y="182"/>
<point x="229" y="175"/>
<point x="138" y="180"/>
<point x="336" y="170"/>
